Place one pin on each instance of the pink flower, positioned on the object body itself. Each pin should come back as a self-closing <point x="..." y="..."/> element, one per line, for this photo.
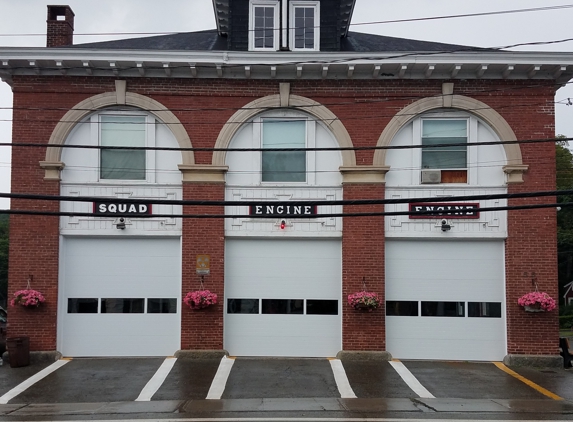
<point x="27" y="297"/>
<point x="546" y="302"/>
<point x="364" y="300"/>
<point x="200" y="299"/>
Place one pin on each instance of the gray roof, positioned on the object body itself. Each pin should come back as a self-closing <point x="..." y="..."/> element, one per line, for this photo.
<point x="210" y="40"/>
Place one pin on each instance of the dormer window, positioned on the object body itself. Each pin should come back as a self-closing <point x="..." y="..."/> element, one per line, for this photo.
<point x="294" y="26"/>
<point x="304" y="27"/>
<point x="264" y="25"/>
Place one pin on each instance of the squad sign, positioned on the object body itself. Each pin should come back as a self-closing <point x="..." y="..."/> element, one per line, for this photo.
<point x="449" y="210"/>
<point x="282" y="209"/>
<point x="121" y="208"/>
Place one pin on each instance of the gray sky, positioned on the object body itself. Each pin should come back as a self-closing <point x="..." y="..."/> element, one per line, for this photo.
<point x="120" y="16"/>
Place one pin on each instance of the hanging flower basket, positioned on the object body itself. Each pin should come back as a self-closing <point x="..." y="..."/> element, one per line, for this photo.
<point x="28" y="298"/>
<point x="200" y="299"/>
<point x="365" y="301"/>
<point x="537" y="302"/>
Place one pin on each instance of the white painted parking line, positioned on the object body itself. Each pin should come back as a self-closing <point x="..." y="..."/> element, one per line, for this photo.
<point x="411" y="380"/>
<point x="23" y="386"/>
<point x="156" y="380"/>
<point x="220" y="379"/>
<point x="341" y="379"/>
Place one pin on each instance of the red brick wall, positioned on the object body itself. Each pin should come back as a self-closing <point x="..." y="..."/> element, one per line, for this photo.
<point x="365" y="108"/>
<point x="203" y="329"/>
<point x="363" y="259"/>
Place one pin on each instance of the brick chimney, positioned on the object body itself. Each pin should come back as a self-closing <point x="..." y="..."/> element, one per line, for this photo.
<point x="60" y="26"/>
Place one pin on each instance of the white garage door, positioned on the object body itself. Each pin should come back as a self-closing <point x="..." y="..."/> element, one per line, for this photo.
<point x="120" y="297"/>
<point x="283" y="297"/>
<point x="445" y="300"/>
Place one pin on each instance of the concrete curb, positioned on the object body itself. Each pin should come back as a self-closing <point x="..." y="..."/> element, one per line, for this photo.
<point x="535" y="361"/>
<point x="201" y="354"/>
<point x="362" y="356"/>
<point x="36" y="357"/>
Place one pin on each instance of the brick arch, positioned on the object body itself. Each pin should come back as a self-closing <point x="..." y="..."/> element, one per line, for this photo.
<point x="514" y="165"/>
<point x="294" y="102"/>
<point x="80" y="111"/>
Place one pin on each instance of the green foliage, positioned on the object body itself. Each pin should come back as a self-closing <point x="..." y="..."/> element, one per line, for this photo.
<point x="564" y="181"/>
<point x="3" y="258"/>
<point x="565" y="322"/>
<point x="566" y="310"/>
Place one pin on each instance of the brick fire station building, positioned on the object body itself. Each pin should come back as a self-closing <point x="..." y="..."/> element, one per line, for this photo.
<point x="210" y="111"/>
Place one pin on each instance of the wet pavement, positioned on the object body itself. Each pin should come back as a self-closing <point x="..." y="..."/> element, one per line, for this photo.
<point x="280" y="378"/>
<point x="85" y="387"/>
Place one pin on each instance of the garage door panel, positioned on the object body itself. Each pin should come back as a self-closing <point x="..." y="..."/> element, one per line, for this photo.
<point x="283" y="269"/>
<point x="283" y="335"/>
<point x="120" y="268"/>
<point x="446" y="271"/>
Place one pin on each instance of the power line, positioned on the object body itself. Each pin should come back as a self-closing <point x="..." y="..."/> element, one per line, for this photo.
<point x="353" y="148"/>
<point x="345" y="202"/>
<point x="270" y="216"/>
<point x="465" y="15"/>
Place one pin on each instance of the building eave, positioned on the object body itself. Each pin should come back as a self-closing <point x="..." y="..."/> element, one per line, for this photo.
<point x="285" y="65"/>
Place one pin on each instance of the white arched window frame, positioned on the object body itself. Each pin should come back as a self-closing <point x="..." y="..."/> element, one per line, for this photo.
<point x="98" y="137"/>
<point x="309" y="141"/>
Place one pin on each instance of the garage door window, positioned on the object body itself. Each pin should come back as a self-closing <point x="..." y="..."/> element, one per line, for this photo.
<point x="321" y="307"/>
<point x="283" y="306"/>
<point x="484" y="309"/>
<point x="161" y="306"/>
<point x="82" y="306"/>
<point x="122" y="306"/>
<point x="443" y="309"/>
<point x="401" y="308"/>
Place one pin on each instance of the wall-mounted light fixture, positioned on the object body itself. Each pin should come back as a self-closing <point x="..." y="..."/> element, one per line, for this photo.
<point x="445" y="225"/>
<point x="120" y="225"/>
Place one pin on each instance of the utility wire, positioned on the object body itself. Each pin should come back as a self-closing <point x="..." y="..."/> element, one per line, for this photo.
<point x="465" y="15"/>
<point x="353" y="148"/>
<point x="270" y="216"/>
<point x="346" y="202"/>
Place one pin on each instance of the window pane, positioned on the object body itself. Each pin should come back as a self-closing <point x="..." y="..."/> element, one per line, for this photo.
<point x="436" y="132"/>
<point x="242" y="306"/>
<point x="436" y="158"/>
<point x="484" y="309"/>
<point x="282" y="306"/>
<point x="321" y="307"/>
<point x="443" y="309"/>
<point x="444" y="129"/>
<point x="82" y="306"/>
<point x="161" y="306"/>
<point x="122" y="164"/>
<point x="122" y="306"/>
<point x="284" y="166"/>
<point x="401" y="308"/>
<point x="122" y="131"/>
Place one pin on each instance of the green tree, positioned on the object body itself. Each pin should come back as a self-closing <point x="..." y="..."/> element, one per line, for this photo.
<point x="3" y="258"/>
<point x="564" y="171"/>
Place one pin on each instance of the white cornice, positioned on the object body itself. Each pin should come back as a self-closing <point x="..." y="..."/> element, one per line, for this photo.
<point x="285" y="65"/>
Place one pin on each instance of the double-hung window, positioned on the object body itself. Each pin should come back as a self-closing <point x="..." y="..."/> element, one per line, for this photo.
<point x="453" y="135"/>
<point x="304" y="25"/>
<point x="283" y="166"/>
<point x="264" y="25"/>
<point x="132" y="133"/>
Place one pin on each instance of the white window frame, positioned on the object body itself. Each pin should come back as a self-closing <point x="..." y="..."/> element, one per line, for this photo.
<point x="150" y="123"/>
<point x="305" y="4"/>
<point x="472" y="134"/>
<point x="276" y="31"/>
<point x="310" y="143"/>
